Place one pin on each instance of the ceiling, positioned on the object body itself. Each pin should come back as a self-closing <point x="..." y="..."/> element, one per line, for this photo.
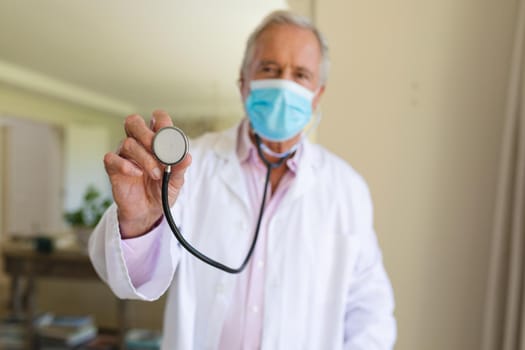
<point x="125" y="56"/>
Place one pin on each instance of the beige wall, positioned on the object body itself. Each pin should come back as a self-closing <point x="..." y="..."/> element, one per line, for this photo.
<point x="415" y="102"/>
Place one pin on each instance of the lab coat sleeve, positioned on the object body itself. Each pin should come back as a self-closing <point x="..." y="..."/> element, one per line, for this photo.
<point x="108" y="259"/>
<point x="141" y="254"/>
<point x="369" y="314"/>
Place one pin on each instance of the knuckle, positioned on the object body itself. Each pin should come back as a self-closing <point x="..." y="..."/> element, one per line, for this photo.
<point x="162" y="117"/>
<point x="122" y="167"/>
<point x="107" y="162"/>
<point x="151" y="161"/>
<point x="127" y="145"/>
<point x="131" y="120"/>
<point x="107" y="158"/>
<point x="159" y="112"/>
<point x="111" y="163"/>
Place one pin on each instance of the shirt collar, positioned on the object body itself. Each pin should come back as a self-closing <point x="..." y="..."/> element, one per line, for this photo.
<point x="247" y="151"/>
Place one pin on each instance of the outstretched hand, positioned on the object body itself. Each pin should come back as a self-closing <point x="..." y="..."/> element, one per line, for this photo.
<point x="136" y="175"/>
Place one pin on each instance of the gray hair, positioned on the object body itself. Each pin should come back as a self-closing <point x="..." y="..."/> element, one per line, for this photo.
<point x="286" y="17"/>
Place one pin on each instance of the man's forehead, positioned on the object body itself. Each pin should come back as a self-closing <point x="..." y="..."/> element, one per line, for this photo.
<point x="287" y="32"/>
<point x="286" y="39"/>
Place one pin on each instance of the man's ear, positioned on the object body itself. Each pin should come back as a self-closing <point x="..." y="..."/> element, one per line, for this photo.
<point x="240" y="83"/>
<point x="242" y="87"/>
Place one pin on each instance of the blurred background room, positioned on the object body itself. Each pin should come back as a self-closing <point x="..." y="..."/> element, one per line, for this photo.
<point x="421" y="100"/>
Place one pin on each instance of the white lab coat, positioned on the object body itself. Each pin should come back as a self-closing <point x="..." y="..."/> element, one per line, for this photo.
<point x="325" y="285"/>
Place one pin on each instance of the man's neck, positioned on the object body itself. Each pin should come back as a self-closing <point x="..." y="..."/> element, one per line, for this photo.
<point x="277" y="147"/>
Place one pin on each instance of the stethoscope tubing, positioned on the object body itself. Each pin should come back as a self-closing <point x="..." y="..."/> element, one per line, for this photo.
<point x="195" y="252"/>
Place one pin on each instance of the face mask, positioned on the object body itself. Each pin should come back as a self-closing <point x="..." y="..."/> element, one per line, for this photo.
<point x="278" y="109"/>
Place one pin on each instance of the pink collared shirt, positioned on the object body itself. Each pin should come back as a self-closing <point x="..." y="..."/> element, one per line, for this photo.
<point x="243" y="325"/>
<point x="244" y="322"/>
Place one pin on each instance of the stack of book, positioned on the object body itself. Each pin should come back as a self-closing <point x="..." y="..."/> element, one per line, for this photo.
<point x="12" y="334"/>
<point x="142" y="339"/>
<point x="13" y="330"/>
<point x="104" y="341"/>
<point x="66" y="332"/>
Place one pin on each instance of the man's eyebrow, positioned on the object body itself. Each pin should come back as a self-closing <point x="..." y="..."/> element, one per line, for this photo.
<point x="305" y="70"/>
<point x="267" y="62"/>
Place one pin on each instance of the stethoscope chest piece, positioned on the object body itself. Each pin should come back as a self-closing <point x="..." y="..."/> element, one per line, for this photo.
<point x="170" y="145"/>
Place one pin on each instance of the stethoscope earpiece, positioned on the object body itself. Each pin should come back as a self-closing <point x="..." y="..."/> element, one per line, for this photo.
<point x="170" y="145"/>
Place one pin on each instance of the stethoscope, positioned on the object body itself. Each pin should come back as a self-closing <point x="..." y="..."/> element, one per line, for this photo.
<point x="170" y="146"/>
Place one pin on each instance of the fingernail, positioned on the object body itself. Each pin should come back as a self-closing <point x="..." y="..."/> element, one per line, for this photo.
<point x="156" y="173"/>
<point x="152" y="122"/>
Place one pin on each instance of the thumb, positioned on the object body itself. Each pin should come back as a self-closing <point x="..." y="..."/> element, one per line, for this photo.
<point x="177" y="177"/>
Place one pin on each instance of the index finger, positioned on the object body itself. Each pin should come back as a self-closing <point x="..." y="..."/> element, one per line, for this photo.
<point x="136" y="128"/>
<point x="160" y="119"/>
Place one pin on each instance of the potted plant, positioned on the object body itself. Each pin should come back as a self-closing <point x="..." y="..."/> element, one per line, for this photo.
<point x="85" y="218"/>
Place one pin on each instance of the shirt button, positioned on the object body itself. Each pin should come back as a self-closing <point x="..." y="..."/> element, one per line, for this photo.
<point x="255" y="309"/>
<point x="260" y="264"/>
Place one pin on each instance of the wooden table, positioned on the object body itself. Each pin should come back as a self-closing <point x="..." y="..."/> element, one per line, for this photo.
<point x="22" y="263"/>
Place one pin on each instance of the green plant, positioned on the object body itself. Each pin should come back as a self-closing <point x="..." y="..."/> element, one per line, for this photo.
<point x="91" y="211"/>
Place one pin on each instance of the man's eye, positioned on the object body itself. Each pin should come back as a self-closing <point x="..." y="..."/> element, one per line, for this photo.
<point x="302" y="76"/>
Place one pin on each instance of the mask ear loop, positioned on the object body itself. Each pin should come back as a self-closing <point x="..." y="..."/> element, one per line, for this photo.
<point x="313" y="126"/>
<point x="261" y="150"/>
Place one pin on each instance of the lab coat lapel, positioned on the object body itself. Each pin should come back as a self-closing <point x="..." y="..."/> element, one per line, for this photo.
<point x="305" y="175"/>
<point x="230" y="171"/>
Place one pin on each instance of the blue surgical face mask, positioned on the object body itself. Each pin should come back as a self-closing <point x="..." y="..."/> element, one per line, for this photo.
<point x="278" y="109"/>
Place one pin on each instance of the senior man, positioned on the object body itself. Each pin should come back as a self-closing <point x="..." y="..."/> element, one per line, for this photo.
<point x="316" y="278"/>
